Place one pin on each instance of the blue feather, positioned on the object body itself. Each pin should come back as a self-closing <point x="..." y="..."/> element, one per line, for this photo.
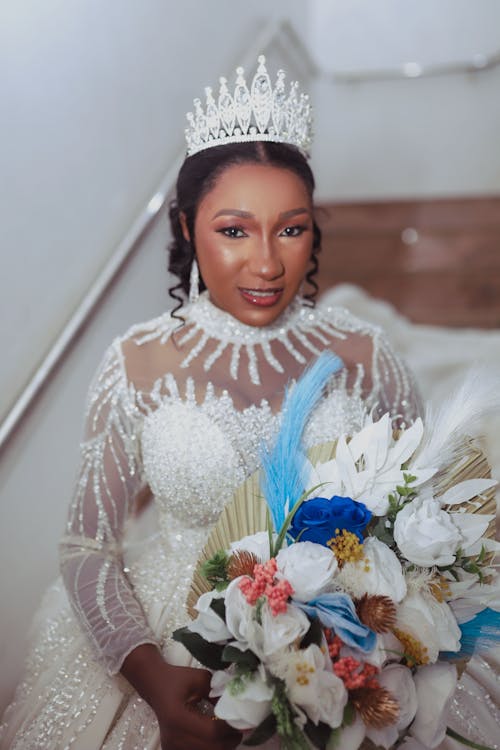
<point x="478" y="634"/>
<point x="283" y="466"/>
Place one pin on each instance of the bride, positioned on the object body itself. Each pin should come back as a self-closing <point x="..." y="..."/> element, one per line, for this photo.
<point x="182" y="405"/>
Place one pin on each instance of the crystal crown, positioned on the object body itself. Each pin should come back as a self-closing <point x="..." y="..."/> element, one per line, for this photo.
<point x="258" y="113"/>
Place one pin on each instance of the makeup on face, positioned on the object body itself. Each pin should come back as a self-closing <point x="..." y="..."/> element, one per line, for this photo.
<point x="253" y="239"/>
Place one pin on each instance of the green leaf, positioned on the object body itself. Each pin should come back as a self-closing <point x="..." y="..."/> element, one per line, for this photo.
<point x="219" y="607"/>
<point x="208" y="654"/>
<point x="313" y="635"/>
<point x="244" y="658"/>
<point x="269" y="527"/>
<point x="382" y="533"/>
<point x="349" y="715"/>
<point x="319" y="734"/>
<point x="465" y="741"/>
<point x="263" y="732"/>
<point x="215" y="569"/>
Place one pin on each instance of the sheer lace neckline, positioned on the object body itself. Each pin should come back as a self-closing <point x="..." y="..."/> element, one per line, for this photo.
<point x="298" y="324"/>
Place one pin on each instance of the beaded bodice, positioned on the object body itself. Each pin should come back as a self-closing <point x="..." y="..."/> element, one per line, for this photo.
<point x="185" y="410"/>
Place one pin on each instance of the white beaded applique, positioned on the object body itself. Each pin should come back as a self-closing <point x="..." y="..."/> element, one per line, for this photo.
<point x="297" y="322"/>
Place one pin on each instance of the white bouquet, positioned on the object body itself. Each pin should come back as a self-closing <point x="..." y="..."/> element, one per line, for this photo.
<point x="362" y="580"/>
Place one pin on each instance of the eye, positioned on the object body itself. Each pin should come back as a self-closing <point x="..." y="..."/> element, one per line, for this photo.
<point x="294" y="231"/>
<point x="232" y="232"/>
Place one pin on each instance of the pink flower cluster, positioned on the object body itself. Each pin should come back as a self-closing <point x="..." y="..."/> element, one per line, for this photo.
<point x="354" y="674"/>
<point x="264" y="584"/>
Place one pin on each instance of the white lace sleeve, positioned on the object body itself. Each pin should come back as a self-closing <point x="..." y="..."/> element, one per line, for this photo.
<point x="90" y="552"/>
<point x="394" y="387"/>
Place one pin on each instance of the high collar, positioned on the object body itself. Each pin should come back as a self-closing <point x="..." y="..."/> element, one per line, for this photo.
<point x="220" y="324"/>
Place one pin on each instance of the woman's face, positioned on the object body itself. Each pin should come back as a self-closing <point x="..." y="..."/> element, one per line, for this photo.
<point x="253" y="238"/>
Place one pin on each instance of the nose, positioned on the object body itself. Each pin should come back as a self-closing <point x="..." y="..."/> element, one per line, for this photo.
<point x="265" y="260"/>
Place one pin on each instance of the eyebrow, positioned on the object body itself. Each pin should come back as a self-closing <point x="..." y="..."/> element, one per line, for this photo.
<point x="249" y="215"/>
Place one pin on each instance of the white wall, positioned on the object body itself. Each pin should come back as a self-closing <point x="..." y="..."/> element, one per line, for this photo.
<point x="362" y="34"/>
<point x="92" y="115"/>
<point x="426" y="137"/>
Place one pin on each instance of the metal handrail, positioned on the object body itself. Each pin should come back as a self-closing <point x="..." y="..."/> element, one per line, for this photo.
<point x="476" y="64"/>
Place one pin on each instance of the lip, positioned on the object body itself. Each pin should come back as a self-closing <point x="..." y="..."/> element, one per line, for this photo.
<point x="261" y="297"/>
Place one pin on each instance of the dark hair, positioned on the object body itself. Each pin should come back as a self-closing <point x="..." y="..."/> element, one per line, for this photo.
<point x="199" y="174"/>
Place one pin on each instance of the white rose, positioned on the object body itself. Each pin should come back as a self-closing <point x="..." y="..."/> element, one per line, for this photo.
<point x="308" y="567"/>
<point x="246" y="708"/>
<point x="425" y="533"/>
<point x="257" y="543"/>
<point x="238" y="612"/>
<point x="399" y="682"/>
<point x="311" y="684"/>
<point x="431" y="622"/>
<point x="435" y="686"/>
<point x="387" y="648"/>
<point x="274" y="632"/>
<point x="384" y="575"/>
<point x="208" y="624"/>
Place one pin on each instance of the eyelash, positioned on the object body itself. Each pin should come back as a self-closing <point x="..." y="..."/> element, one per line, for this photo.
<point x="231" y="231"/>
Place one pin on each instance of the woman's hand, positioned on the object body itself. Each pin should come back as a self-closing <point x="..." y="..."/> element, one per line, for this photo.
<point x="174" y="693"/>
<point x="182" y="725"/>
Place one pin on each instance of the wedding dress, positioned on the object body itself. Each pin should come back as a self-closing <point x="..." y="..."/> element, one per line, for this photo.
<point x="184" y="410"/>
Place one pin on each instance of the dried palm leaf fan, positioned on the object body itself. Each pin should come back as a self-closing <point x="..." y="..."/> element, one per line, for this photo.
<point x="246" y="513"/>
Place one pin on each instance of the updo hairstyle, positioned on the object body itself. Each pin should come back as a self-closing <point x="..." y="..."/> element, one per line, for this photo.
<point x="199" y="174"/>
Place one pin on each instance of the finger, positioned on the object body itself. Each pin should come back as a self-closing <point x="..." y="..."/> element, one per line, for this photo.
<point x="210" y="727"/>
<point x="199" y="685"/>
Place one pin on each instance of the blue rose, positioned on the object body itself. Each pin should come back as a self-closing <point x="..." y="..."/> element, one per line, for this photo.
<point x="317" y="519"/>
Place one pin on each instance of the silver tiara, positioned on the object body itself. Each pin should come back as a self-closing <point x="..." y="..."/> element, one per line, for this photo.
<point x="256" y="114"/>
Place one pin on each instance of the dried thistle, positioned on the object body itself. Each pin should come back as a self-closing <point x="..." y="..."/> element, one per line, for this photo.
<point x="377" y="706"/>
<point x="241" y="563"/>
<point x="376" y="612"/>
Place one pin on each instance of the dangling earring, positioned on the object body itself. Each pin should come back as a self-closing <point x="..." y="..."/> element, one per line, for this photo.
<point x="194" y="281"/>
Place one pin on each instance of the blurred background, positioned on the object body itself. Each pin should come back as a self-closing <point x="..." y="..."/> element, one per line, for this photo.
<point x="94" y="95"/>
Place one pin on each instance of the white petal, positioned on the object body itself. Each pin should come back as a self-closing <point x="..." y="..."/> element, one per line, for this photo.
<point x="385" y="737"/>
<point x="347" y="467"/>
<point x="373" y="439"/>
<point x="350" y="738"/>
<point x="471" y="525"/>
<point x="377" y="451"/>
<point x="423" y="475"/>
<point x="435" y="687"/>
<point x="466" y="490"/>
<point x="407" y="444"/>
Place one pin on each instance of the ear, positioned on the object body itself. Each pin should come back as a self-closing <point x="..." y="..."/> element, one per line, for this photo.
<point x="184" y="226"/>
